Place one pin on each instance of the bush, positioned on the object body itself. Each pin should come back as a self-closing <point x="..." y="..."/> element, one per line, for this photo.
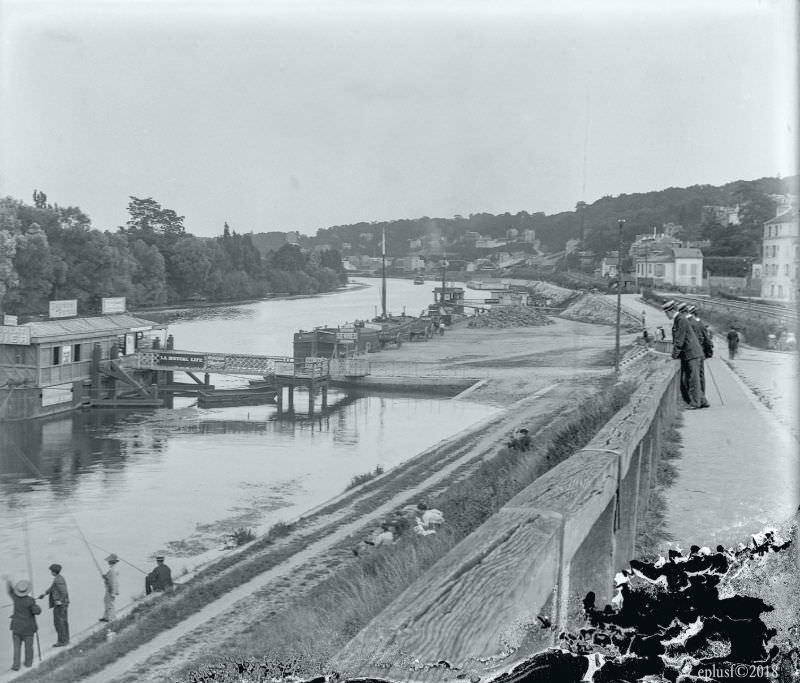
<point x="364" y="478"/>
<point x="241" y="536"/>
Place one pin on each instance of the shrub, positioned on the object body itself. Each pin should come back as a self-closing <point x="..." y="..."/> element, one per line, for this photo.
<point x="364" y="478"/>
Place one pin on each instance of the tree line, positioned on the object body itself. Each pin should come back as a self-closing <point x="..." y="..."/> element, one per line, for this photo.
<point x="52" y="252"/>
<point x="598" y="222"/>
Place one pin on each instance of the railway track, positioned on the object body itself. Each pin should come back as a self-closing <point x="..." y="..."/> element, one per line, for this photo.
<point x="783" y="315"/>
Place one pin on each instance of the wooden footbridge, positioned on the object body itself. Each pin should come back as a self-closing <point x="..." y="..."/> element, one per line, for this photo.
<point x="149" y="373"/>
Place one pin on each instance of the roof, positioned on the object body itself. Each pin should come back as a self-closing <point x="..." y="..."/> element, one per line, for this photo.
<point x="687" y="252"/>
<point x="72" y="328"/>
<point x="785" y="217"/>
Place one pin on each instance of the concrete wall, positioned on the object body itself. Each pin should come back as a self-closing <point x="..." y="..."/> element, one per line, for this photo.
<point x="562" y="536"/>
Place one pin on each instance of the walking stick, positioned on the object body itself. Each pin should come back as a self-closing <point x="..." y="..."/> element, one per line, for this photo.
<point x="719" y="393"/>
<point x="30" y="573"/>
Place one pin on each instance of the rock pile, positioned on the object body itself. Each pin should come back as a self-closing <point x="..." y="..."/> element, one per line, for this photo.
<point x="600" y="310"/>
<point x="510" y="316"/>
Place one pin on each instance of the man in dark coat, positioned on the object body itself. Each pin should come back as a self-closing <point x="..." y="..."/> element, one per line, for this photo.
<point x="733" y="342"/>
<point x="160" y="579"/>
<point x="686" y="348"/>
<point x="23" y="620"/>
<point x="58" y="599"/>
<point x="706" y="343"/>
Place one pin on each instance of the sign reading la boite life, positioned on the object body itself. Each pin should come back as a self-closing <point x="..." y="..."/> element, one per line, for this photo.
<point x="113" y="304"/>
<point x="13" y="334"/>
<point x="66" y="308"/>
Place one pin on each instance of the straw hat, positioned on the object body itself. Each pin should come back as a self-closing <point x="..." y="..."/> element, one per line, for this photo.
<point x="112" y="558"/>
<point x="22" y="587"/>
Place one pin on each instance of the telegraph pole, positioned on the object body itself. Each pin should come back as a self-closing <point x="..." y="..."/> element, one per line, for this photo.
<point x="383" y="272"/>
<point x="620" y="223"/>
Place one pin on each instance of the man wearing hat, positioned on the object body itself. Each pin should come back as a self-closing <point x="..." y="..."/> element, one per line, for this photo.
<point x="706" y="343"/>
<point x="686" y="348"/>
<point x="112" y="588"/>
<point x="58" y="599"/>
<point x="23" y="620"/>
<point x="160" y="579"/>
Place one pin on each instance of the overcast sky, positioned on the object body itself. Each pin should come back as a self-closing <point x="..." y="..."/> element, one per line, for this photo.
<point x="302" y="115"/>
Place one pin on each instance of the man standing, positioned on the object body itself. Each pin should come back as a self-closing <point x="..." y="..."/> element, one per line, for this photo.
<point x="706" y="344"/>
<point x="160" y="579"/>
<point x="58" y="599"/>
<point x="733" y="342"/>
<point x="23" y="620"/>
<point x="112" y="589"/>
<point x="686" y="348"/>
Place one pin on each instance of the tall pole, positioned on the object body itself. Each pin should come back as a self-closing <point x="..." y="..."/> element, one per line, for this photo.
<point x="444" y="269"/>
<point x="383" y="272"/>
<point x="620" y="222"/>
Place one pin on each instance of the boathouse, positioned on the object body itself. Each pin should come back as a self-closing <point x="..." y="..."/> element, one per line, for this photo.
<point x="45" y="366"/>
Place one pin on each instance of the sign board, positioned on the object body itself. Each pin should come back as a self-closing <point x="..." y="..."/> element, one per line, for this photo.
<point x="66" y="308"/>
<point x="373" y="326"/>
<point x="115" y="304"/>
<point x="491" y="301"/>
<point x="11" y="334"/>
<point x="346" y="336"/>
<point x="191" y="360"/>
<point x="9" y="320"/>
<point x="61" y="393"/>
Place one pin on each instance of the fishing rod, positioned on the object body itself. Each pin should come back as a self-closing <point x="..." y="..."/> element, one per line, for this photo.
<point x="120" y="557"/>
<point x="39" y="473"/>
<point x="30" y="571"/>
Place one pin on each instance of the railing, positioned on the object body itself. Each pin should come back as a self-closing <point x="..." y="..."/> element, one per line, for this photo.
<point x="561" y="537"/>
<point x="61" y="374"/>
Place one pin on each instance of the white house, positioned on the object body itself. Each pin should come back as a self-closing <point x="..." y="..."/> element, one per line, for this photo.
<point x="780" y="255"/>
<point x="676" y="266"/>
<point x="608" y="266"/>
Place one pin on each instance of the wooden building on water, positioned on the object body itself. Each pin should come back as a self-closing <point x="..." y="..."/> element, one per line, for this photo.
<point x="45" y="367"/>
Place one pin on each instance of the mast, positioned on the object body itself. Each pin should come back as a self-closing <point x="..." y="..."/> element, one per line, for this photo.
<point x="383" y="272"/>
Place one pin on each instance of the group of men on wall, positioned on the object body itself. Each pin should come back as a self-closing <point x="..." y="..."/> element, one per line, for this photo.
<point x="23" y="619"/>
<point x="692" y="343"/>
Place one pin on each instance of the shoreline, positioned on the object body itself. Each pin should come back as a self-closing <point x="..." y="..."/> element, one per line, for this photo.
<point x="189" y="306"/>
<point x="516" y="364"/>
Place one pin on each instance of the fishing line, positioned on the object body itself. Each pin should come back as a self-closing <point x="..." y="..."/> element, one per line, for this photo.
<point x="39" y="473"/>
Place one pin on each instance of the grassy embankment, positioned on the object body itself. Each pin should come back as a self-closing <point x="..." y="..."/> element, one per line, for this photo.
<point x="468" y="503"/>
<point x="304" y="636"/>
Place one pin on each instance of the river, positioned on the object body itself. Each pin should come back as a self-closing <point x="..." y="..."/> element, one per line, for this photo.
<point x="179" y="480"/>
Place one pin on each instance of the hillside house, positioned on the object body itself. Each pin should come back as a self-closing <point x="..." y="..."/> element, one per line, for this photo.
<point x="676" y="266"/>
<point x="780" y="256"/>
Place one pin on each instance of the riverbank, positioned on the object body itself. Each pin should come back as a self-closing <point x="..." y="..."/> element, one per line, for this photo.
<point x="536" y="374"/>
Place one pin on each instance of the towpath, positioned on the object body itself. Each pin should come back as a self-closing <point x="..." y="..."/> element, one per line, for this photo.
<point x="739" y="467"/>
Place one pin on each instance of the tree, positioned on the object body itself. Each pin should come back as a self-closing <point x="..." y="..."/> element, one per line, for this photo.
<point x="288" y="257"/>
<point x="148" y="220"/>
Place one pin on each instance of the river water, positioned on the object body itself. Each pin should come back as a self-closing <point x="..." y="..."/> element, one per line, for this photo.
<point x="178" y="480"/>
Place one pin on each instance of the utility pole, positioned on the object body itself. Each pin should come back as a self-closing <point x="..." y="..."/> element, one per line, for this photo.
<point x="383" y="272"/>
<point x="444" y="268"/>
<point x="620" y="223"/>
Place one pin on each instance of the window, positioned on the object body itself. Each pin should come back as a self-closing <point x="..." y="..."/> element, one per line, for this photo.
<point x="766" y="251"/>
<point x="786" y="269"/>
<point x="56" y="355"/>
<point x="780" y="291"/>
<point x="682" y="269"/>
<point x="693" y="269"/>
<point x="772" y="290"/>
<point x="76" y="353"/>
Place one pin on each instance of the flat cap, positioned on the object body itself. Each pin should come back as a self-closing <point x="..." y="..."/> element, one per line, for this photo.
<point x="55" y="568"/>
<point x="669" y="305"/>
<point x="691" y="308"/>
<point x="681" y="307"/>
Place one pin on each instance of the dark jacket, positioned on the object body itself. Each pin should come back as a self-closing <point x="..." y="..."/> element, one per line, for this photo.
<point x="23" y="619"/>
<point x="684" y="341"/>
<point x="159" y="579"/>
<point x="703" y="336"/>
<point x="57" y="592"/>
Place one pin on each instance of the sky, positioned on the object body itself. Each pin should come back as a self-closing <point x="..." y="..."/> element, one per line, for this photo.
<point x="302" y="115"/>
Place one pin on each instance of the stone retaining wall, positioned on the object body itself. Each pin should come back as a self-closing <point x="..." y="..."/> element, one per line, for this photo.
<point x="562" y="536"/>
